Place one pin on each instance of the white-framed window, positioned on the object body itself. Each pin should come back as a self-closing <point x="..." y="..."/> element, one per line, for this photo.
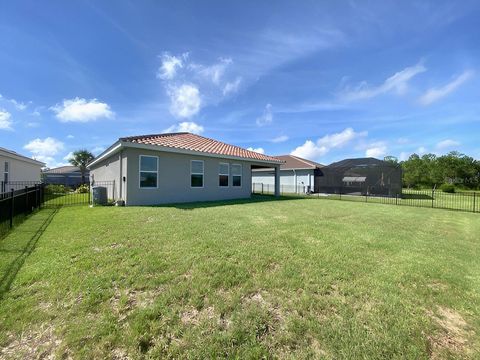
<point x="6" y="172"/>
<point x="236" y="175"/>
<point x="223" y="174"/>
<point x="196" y="173"/>
<point x="148" y="171"/>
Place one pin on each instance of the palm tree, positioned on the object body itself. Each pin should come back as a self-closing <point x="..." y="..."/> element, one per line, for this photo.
<point x="80" y="159"/>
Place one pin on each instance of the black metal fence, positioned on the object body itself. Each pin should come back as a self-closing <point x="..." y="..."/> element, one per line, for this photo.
<point x="18" y="199"/>
<point x="17" y="204"/>
<point x="429" y="198"/>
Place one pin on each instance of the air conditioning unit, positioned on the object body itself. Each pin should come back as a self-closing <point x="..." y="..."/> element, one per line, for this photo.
<point x="99" y="195"/>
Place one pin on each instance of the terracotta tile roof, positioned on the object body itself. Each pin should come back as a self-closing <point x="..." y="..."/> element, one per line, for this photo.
<point x="192" y="142"/>
<point x="295" y="162"/>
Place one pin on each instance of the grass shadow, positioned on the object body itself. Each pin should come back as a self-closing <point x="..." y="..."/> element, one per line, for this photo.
<point x="417" y="196"/>
<point x="253" y="199"/>
<point x="14" y="267"/>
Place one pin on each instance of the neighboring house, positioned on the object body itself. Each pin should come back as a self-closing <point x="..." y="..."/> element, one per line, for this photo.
<point x="18" y="170"/>
<point x="64" y="175"/>
<point x="360" y="176"/>
<point x="178" y="167"/>
<point x="297" y="175"/>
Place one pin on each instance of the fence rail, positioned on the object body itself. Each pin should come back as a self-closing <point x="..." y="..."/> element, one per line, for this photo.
<point x="17" y="204"/>
<point x="429" y="198"/>
<point x="18" y="199"/>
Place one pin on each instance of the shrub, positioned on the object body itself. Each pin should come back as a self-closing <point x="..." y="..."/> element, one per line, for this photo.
<point x="448" y="188"/>
<point x="56" y="189"/>
<point x="83" y="189"/>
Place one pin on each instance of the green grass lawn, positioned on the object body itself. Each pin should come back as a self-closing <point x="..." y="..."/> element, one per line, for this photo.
<point x="297" y="278"/>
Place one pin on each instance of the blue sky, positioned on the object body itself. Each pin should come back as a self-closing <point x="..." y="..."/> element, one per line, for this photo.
<point x="323" y="80"/>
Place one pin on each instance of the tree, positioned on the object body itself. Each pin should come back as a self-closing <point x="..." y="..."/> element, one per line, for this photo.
<point x="80" y="159"/>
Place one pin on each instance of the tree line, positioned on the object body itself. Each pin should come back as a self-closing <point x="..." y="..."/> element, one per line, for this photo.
<point x="430" y="170"/>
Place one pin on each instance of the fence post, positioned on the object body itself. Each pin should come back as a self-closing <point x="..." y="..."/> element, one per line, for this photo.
<point x="11" y="208"/>
<point x="262" y="188"/>
<point x="396" y="199"/>
<point x="474" y="196"/>
<point x="36" y="196"/>
<point x="26" y="198"/>
<point x="433" y="194"/>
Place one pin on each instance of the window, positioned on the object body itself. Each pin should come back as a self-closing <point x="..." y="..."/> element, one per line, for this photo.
<point x="5" y="172"/>
<point x="223" y="173"/>
<point x="148" y="171"/>
<point x="236" y="175"/>
<point x="196" y="173"/>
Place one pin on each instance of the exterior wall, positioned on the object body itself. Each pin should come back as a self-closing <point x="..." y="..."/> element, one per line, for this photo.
<point x="20" y="170"/>
<point x="287" y="179"/>
<point x="109" y="170"/>
<point x="174" y="179"/>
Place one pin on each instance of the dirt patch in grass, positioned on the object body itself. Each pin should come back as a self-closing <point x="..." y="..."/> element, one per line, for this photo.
<point x="437" y="286"/>
<point x="125" y="301"/>
<point x="194" y="317"/>
<point x="40" y="343"/>
<point x="455" y="334"/>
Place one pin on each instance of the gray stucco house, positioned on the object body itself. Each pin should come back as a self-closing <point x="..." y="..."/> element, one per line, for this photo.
<point x="297" y="175"/>
<point x="178" y="167"/>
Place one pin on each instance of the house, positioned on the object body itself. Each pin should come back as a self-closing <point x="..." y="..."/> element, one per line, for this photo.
<point x="178" y="167"/>
<point x="70" y="176"/>
<point x="297" y="175"/>
<point x="18" y="171"/>
<point x="360" y="176"/>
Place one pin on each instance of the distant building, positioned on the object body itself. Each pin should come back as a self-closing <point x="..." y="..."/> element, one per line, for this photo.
<point x="297" y="175"/>
<point x="65" y="175"/>
<point x="360" y="176"/>
<point x="17" y="171"/>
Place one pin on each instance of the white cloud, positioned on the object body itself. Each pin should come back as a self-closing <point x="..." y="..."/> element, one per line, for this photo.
<point x="5" y="120"/>
<point x="45" y="150"/>
<point x="421" y="150"/>
<point x="81" y="110"/>
<point x="279" y="139"/>
<point x="403" y="140"/>
<point x="232" y="87"/>
<point x="185" y="100"/>
<point x="447" y="144"/>
<point x="170" y="65"/>
<point x="32" y="124"/>
<point x="435" y="94"/>
<point x="69" y="136"/>
<point x="314" y="150"/>
<point x="20" y="106"/>
<point x="376" y="150"/>
<point x="68" y="156"/>
<point x="213" y="73"/>
<point x="257" y="150"/>
<point x="398" y="83"/>
<point x="186" y="126"/>
<point x="403" y="156"/>
<point x="267" y="116"/>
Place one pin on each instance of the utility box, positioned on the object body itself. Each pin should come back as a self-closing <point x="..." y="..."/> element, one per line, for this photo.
<point x="99" y="195"/>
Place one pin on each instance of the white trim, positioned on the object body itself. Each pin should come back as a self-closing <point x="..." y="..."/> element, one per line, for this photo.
<point x="13" y="155"/>
<point x="227" y="174"/>
<point x="197" y="173"/>
<point x="146" y="171"/>
<point x="241" y="175"/>
<point x="106" y="153"/>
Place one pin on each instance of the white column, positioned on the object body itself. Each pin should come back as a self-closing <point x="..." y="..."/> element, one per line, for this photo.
<point x="277" y="180"/>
